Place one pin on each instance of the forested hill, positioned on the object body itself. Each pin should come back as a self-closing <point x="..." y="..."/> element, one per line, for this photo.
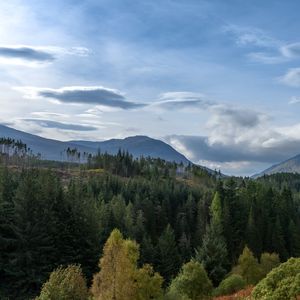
<point x="63" y="214"/>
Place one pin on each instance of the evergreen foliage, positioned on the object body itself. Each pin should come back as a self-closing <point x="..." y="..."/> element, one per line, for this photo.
<point x="62" y="214"/>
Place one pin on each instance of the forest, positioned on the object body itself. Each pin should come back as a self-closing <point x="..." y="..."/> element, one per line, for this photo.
<point x="116" y="227"/>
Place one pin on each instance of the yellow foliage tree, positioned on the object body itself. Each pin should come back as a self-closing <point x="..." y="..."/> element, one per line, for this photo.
<point x="65" y="283"/>
<point x="148" y="283"/>
<point x="119" y="278"/>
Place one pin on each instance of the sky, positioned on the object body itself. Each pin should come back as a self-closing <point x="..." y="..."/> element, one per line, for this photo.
<point x="218" y="80"/>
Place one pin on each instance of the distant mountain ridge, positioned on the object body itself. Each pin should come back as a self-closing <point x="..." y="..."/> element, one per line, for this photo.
<point x="136" y="145"/>
<point x="291" y="165"/>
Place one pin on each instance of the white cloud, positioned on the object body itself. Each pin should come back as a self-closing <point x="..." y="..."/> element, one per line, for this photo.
<point x="181" y="100"/>
<point x="250" y="36"/>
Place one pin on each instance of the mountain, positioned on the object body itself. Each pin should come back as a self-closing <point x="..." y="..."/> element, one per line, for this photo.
<point x="291" y="165"/>
<point x="137" y="145"/>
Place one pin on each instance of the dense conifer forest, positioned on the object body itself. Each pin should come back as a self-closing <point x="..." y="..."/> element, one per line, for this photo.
<point x="175" y="228"/>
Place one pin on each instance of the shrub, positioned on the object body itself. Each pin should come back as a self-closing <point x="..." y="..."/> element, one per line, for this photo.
<point x="282" y="282"/>
<point x="192" y="283"/>
<point x="231" y="284"/>
<point x="65" y="283"/>
<point x="244" y="294"/>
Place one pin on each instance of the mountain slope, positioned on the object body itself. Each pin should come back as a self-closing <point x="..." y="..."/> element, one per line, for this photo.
<point x="137" y="146"/>
<point x="48" y="148"/>
<point x="291" y="165"/>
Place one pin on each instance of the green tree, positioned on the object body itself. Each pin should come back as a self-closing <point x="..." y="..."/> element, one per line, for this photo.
<point x="191" y="283"/>
<point x="282" y="282"/>
<point x="65" y="284"/>
<point x="248" y="267"/>
<point x="216" y="210"/>
<point x="213" y="251"/>
<point x="294" y="239"/>
<point x="230" y="285"/>
<point x="268" y="261"/>
<point x="149" y="284"/>
<point x="252" y="233"/>
<point x="167" y="254"/>
<point x="213" y="254"/>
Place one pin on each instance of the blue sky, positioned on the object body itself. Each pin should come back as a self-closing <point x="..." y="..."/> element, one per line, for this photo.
<point x="218" y="80"/>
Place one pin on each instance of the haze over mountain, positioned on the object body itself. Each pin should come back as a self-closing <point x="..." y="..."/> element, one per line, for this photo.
<point x="136" y="145"/>
<point x="291" y="165"/>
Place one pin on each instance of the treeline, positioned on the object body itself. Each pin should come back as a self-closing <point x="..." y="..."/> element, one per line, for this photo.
<point x="125" y="165"/>
<point x="174" y="212"/>
<point x="120" y="278"/>
<point x="16" y="152"/>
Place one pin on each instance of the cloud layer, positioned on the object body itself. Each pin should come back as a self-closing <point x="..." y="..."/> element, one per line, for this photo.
<point x="26" y="53"/>
<point x="61" y="125"/>
<point x="36" y="55"/>
<point x="94" y="95"/>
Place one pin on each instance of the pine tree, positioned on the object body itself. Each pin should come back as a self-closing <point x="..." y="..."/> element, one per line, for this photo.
<point x="168" y="260"/>
<point x="252" y="234"/>
<point x="216" y="210"/>
<point x="294" y="239"/>
<point x="213" y="252"/>
<point x="278" y="241"/>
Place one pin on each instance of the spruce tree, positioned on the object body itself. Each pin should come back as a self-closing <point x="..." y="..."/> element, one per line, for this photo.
<point x="168" y="260"/>
<point x="213" y="252"/>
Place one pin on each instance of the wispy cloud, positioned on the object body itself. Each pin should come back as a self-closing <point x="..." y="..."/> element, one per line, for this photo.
<point x="274" y="50"/>
<point x="181" y="100"/>
<point x="267" y="58"/>
<point x="245" y="36"/>
<point x="294" y="100"/>
<point x="291" y="77"/>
